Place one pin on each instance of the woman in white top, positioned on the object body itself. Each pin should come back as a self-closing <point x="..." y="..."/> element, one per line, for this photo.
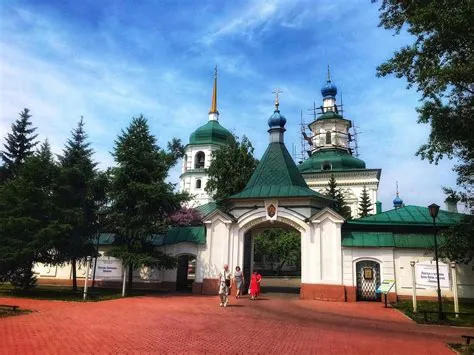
<point x="224" y="285"/>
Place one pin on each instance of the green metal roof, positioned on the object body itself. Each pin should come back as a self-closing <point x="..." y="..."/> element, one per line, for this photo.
<point x="211" y="133"/>
<point x="207" y="208"/>
<point x="387" y="239"/>
<point x="276" y="176"/>
<point x="192" y="234"/>
<point x="409" y="216"/>
<point x="338" y="158"/>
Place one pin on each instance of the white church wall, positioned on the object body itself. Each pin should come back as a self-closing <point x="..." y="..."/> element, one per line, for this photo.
<point x="403" y="257"/>
<point x="216" y="253"/>
<point x="384" y="256"/>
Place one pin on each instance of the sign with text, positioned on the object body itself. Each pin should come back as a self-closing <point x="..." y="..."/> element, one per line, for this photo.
<point x="426" y="275"/>
<point x="108" y="268"/>
<point x="385" y="286"/>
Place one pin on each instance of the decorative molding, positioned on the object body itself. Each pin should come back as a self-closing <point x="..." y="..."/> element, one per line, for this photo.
<point x="263" y="219"/>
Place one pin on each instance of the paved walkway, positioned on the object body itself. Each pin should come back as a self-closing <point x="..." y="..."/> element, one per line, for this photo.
<point x="192" y="324"/>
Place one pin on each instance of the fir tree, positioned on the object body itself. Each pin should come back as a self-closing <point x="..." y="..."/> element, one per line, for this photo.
<point x="19" y="145"/>
<point x="335" y="193"/>
<point x="141" y="199"/>
<point x="365" y="206"/>
<point x="75" y="195"/>
<point x="28" y="219"/>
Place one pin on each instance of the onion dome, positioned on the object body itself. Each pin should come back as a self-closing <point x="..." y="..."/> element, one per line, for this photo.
<point x="211" y="133"/>
<point x="397" y="202"/>
<point x="277" y="119"/>
<point x="329" y="90"/>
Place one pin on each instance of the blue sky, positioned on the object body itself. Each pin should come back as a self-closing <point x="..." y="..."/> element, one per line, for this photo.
<point x="112" y="60"/>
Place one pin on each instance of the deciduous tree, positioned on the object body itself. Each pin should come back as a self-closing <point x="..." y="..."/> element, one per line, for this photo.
<point x="231" y="167"/>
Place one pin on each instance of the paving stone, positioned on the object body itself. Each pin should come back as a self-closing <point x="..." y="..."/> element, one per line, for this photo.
<point x="196" y="325"/>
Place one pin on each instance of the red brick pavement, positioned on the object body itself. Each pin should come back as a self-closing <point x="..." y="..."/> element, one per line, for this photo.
<point x="193" y="324"/>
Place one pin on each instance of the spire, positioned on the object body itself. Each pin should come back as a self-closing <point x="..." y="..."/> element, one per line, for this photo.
<point x="329" y="75"/>
<point x="213" y="113"/>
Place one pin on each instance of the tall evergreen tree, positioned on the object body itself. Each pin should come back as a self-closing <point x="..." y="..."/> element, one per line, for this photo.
<point x="365" y="205"/>
<point x="231" y="168"/>
<point x="28" y="219"/>
<point x="335" y="193"/>
<point x="140" y="199"/>
<point x="19" y="145"/>
<point x="75" y="195"/>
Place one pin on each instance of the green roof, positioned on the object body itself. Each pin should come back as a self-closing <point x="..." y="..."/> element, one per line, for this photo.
<point x="191" y="234"/>
<point x="329" y="115"/>
<point x="337" y="158"/>
<point x="387" y="239"/>
<point x="276" y="176"/>
<point x="207" y="208"/>
<point x="409" y="215"/>
<point x="211" y="133"/>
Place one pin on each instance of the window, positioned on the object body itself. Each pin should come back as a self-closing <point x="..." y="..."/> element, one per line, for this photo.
<point x="198" y="183"/>
<point x="328" y="137"/>
<point x="326" y="166"/>
<point x="199" y="160"/>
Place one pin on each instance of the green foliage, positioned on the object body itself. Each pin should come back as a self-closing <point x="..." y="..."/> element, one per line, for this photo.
<point x="77" y="196"/>
<point x="279" y="246"/>
<point x="28" y="219"/>
<point x="335" y="193"/>
<point x="140" y="199"/>
<point x="440" y="64"/>
<point x="365" y="205"/>
<point x="231" y="168"/>
<point x="458" y="244"/>
<point x="19" y="146"/>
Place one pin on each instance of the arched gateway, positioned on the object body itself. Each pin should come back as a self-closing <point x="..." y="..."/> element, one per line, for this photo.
<point x="276" y="195"/>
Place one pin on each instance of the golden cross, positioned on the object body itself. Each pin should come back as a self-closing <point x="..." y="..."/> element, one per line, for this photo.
<point x="276" y="92"/>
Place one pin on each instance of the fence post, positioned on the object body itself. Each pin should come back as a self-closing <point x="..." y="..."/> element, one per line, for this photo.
<point x="455" y="288"/>
<point x="413" y="285"/>
<point x="124" y="267"/>
<point x="87" y="276"/>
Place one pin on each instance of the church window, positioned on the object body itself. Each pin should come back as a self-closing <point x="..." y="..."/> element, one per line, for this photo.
<point x="198" y="183"/>
<point x="326" y="166"/>
<point x="328" y="137"/>
<point x="199" y="160"/>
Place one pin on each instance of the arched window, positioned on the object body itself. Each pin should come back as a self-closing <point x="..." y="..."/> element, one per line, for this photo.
<point x="199" y="160"/>
<point x="198" y="183"/>
<point x="328" y="137"/>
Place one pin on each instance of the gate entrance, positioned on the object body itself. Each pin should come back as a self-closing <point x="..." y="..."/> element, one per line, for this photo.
<point x="185" y="272"/>
<point x="274" y="251"/>
<point x="368" y="280"/>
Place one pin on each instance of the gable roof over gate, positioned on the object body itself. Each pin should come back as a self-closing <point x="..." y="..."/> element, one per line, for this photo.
<point x="277" y="176"/>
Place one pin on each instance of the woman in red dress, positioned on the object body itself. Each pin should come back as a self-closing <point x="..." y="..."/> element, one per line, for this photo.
<point x="255" y="285"/>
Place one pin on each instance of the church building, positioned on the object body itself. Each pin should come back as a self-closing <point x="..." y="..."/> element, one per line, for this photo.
<point x="341" y="260"/>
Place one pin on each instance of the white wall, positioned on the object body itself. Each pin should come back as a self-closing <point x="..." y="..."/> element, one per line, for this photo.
<point x="350" y="256"/>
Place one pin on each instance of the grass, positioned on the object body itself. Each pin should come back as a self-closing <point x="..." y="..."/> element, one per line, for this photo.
<point x="65" y="293"/>
<point x="5" y="312"/>
<point x="59" y="293"/>
<point x="463" y="320"/>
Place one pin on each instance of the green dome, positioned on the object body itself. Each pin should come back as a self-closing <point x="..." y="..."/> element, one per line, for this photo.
<point x="330" y="159"/>
<point x="211" y="133"/>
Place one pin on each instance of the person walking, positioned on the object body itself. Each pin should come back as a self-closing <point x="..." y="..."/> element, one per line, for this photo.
<point x="254" y="286"/>
<point x="239" y="281"/>
<point x="259" y="280"/>
<point x="224" y="285"/>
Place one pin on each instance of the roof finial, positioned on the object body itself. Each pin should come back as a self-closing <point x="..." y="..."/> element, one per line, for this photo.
<point x="214" y="94"/>
<point x="277" y="102"/>
<point x="397" y="187"/>
<point x="329" y="74"/>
